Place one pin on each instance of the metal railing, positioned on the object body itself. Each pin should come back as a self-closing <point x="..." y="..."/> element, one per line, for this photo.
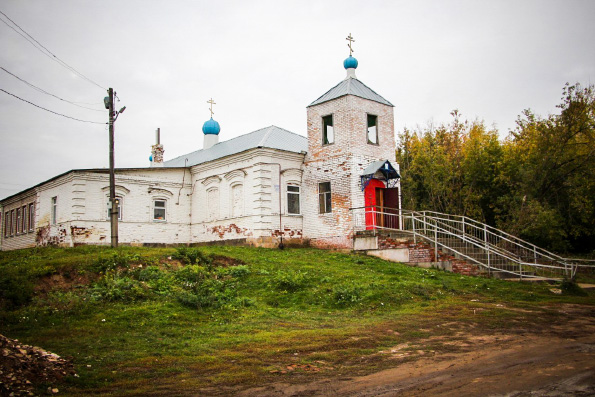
<point x="491" y="249"/>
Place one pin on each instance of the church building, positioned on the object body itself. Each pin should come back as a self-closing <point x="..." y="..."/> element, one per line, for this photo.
<point x="264" y="188"/>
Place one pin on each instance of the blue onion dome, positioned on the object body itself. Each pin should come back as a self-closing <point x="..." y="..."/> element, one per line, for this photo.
<point x="211" y="127"/>
<point x="350" y="63"/>
<point x="151" y="158"/>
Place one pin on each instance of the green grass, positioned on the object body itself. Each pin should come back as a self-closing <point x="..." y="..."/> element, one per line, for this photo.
<point x="163" y="320"/>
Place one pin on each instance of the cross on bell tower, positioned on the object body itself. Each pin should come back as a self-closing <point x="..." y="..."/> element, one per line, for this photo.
<point x="211" y="108"/>
<point x="350" y="39"/>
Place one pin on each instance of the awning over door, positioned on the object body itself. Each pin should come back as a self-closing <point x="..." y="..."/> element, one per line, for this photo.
<point x="382" y="170"/>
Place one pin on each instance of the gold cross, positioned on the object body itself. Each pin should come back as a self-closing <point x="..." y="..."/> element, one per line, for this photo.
<point x="211" y="109"/>
<point x="350" y="39"/>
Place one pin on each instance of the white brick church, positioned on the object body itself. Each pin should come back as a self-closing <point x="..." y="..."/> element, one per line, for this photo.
<point x="263" y="188"/>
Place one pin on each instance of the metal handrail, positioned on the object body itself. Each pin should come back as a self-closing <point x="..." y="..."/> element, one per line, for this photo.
<point x="509" y="237"/>
<point x="467" y="231"/>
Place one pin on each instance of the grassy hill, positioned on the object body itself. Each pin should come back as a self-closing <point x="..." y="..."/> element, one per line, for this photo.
<point x="167" y="320"/>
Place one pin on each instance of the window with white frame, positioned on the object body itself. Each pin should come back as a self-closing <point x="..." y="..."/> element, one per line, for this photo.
<point x="12" y="221"/>
<point x="6" y="224"/>
<point x="24" y="219"/>
<point x="324" y="197"/>
<point x="159" y="207"/>
<point x="118" y="205"/>
<point x="19" y="220"/>
<point x="31" y="217"/>
<point x="293" y="200"/>
<point x="54" y="210"/>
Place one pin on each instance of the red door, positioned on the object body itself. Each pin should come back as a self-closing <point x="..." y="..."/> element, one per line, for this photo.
<point x="372" y="201"/>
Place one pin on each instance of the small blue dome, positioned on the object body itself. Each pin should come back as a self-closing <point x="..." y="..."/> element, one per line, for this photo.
<point x="350" y="63"/>
<point x="151" y="158"/>
<point x="211" y="127"/>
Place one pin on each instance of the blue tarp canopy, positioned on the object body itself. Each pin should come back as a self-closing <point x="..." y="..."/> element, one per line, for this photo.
<point x="382" y="170"/>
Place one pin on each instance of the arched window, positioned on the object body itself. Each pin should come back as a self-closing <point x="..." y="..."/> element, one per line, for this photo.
<point x="293" y="199"/>
<point x="237" y="200"/>
<point x="213" y="203"/>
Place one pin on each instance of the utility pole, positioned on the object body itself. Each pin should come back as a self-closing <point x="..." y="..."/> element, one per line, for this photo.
<point x="112" y="176"/>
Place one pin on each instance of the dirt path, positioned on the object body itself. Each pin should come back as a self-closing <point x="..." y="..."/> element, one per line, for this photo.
<point x="556" y="361"/>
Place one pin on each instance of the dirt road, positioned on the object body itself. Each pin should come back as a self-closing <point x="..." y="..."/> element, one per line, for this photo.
<point x="557" y="360"/>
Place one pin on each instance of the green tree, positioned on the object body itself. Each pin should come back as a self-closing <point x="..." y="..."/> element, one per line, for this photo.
<point x="451" y="168"/>
<point x="551" y="169"/>
<point x="538" y="184"/>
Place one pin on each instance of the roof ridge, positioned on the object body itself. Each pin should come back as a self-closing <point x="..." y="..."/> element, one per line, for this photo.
<point x="332" y="88"/>
<point x="269" y="131"/>
<point x="364" y="84"/>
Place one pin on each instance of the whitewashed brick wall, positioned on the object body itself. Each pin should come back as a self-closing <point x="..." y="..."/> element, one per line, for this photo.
<point x="258" y="173"/>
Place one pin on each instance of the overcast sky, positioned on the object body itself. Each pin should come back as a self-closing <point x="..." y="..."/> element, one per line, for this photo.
<point x="263" y="62"/>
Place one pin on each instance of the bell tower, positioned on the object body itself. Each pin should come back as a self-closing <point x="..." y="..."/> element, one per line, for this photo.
<point x="349" y="128"/>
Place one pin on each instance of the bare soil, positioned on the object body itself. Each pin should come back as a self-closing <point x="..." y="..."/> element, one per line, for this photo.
<point x="556" y="359"/>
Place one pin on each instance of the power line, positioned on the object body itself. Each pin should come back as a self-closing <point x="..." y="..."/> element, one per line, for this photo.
<point x="47" y="52"/>
<point x="48" y="93"/>
<point x="51" y="111"/>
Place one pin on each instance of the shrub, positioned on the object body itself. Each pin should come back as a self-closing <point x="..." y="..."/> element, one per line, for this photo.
<point x="206" y="293"/>
<point x="150" y="273"/>
<point x="113" y="262"/>
<point x="191" y="256"/>
<point x="345" y="295"/>
<point x="239" y="271"/>
<point x="114" y="287"/>
<point x="289" y="281"/>
<point x="191" y="275"/>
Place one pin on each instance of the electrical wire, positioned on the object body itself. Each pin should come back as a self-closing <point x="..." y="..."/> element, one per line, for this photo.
<point x="51" y="111"/>
<point x="48" y="93"/>
<point x="47" y="52"/>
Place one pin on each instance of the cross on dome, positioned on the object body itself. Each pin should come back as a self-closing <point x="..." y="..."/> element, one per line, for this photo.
<point x="211" y="108"/>
<point x="350" y="40"/>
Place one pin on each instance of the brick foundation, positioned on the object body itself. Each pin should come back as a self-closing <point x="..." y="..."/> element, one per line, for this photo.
<point x="421" y="252"/>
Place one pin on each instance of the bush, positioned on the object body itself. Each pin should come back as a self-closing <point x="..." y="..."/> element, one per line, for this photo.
<point x="239" y="271"/>
<point x="114" y="287"/>
<point x="206" y="293"/>
<point x="345" y="295"/>
<point x="191" y="256"/>
<point x="150" y="273"/>
<point x="289" y="281"/>
<point x="157" y="280"/>
<point x="113" y="262"/>
<point x="191" y="275"/>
